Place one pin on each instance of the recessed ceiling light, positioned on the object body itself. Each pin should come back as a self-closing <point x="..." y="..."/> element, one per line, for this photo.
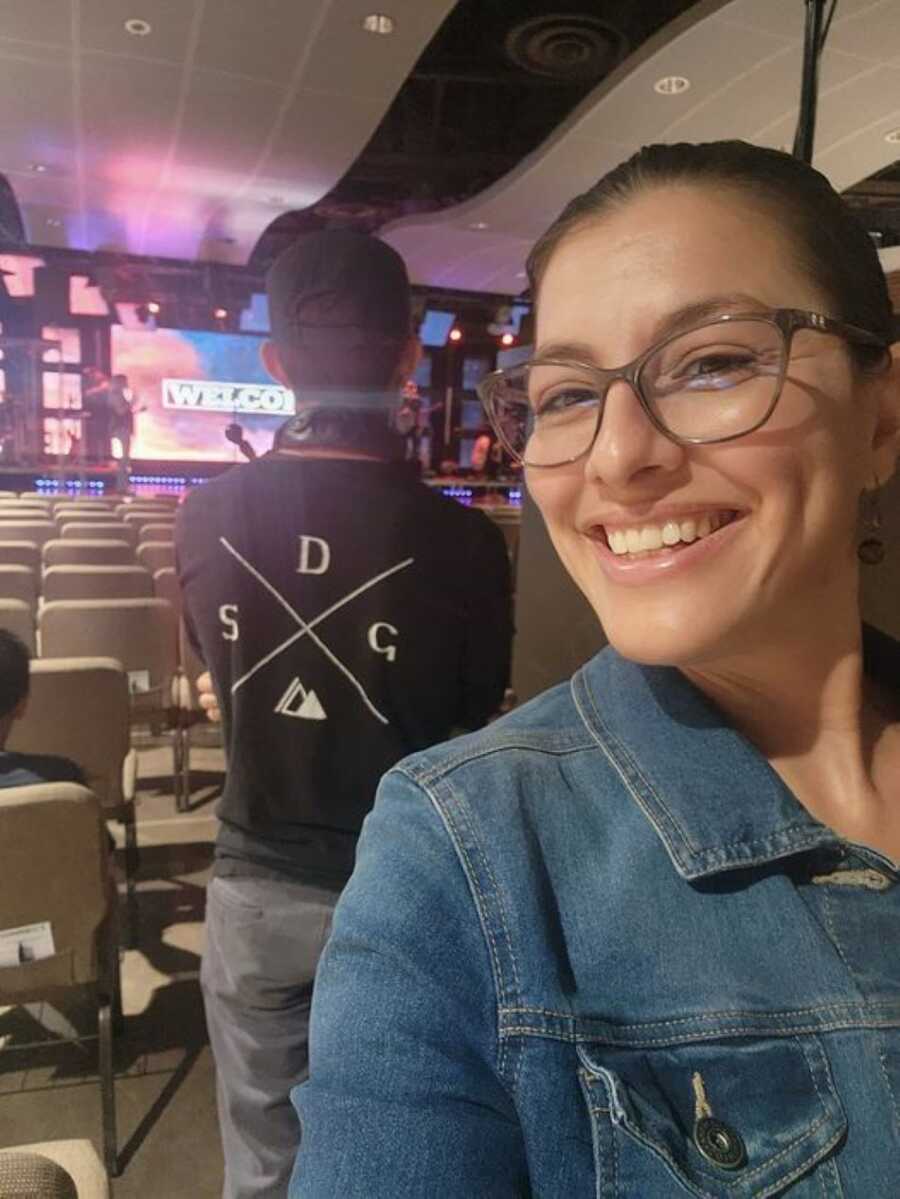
<point x="521" y="274"/>
<point x="671" y="85"/>
<point x="479" y="225"/>
<point x="378" y="22"/>
<point x="54" y="222"/>
<point x="893" y="137"/>
<point x="138" y="27"/>
<point x="39" y="168"/>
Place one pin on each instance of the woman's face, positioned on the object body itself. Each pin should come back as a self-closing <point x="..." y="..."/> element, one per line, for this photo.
<point x="787" y="559"/>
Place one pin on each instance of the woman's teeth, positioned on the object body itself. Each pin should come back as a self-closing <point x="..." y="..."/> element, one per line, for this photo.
<point x="655" y="537"/>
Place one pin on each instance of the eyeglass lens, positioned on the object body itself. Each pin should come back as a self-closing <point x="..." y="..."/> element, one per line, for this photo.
<point x="712" y="383"/>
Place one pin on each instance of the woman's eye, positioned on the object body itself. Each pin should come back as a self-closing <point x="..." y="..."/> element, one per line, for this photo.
<point x="708" y="365"/>
<point x="566" y="399"/>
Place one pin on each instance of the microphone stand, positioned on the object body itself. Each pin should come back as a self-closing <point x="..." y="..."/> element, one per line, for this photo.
<point x="809" y="90"/>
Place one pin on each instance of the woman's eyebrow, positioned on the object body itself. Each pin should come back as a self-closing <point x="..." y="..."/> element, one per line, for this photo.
<point x="685" y="317"/>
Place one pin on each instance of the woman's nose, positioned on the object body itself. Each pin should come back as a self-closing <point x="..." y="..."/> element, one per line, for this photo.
<point x="628" y="443"/>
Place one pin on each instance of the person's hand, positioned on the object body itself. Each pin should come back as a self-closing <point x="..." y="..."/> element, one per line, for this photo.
<point x="207" y="697"/>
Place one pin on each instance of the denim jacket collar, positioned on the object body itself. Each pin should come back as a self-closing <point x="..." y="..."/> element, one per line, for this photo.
<point x="713" y="799"/>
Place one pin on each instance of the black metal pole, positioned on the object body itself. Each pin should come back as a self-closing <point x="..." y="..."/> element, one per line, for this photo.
<point x="809" y="91"/>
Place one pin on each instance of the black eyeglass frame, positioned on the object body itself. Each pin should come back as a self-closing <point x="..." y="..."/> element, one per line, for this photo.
<point x="786" y="320"/>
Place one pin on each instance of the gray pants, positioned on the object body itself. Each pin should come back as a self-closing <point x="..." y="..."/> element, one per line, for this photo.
<point x="263" y="941"/>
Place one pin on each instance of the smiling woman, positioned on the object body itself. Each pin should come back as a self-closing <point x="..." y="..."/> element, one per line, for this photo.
<point x="637" y="938"/>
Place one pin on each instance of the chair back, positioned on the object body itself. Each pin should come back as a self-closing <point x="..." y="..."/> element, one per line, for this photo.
<point x="25" y="528"/>
<point x="94" y="582"/>
<point x="94" y="734"/>
<point x="140" y="633"/>
<point x="79" y="1160"/>
<point x="18" y="617"/>
<point x="53" y="870"/>
<point x="156" y="555"/>
<point x="32" y="1176"/>
<point x="158" y="531"/>
<point x="71" y="516"/>
<point x="87" y="552"/>
<point x="166" y="586"/>
<point x="98" y="530"/>
<point x="160" y="511"/>
<point x="16" y="511"/>
<point x="21" y="553"/>
<point x="18" y="582"/>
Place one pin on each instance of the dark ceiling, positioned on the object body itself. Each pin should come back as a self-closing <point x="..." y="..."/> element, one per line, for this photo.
<point x="496" y="80"/>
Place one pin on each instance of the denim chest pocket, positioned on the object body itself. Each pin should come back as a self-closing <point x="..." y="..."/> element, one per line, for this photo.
<point x="741" y="1119"/>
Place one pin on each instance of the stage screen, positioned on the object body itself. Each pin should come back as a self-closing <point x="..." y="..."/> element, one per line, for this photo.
<point x="190" y="385"/>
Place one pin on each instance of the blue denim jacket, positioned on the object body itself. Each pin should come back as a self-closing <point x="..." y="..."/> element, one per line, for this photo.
<point x="599" y="949"/>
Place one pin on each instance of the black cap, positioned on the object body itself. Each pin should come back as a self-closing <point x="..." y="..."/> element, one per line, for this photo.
<point x="339" y="281"/>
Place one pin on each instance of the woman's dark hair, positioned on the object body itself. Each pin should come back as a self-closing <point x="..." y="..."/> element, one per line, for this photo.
<point x="831" y="244"/>
<point x="14" y="677"/>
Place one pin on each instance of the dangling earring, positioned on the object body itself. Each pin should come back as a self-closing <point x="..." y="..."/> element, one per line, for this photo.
<point x="871" y="549"/>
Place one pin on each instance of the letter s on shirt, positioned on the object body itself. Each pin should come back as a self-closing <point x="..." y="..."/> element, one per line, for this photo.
<point x="228" y="615"/>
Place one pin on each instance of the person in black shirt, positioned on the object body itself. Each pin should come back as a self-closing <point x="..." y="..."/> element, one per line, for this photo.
<point x="24" y="769"/>
<point x="348" y="616"/>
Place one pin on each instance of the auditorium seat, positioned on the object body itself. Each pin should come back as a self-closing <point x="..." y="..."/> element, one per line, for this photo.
<point x="95" y="582"/>
<point x="159" y="531"/>
<point x="98" y="529"/>
<point x="95" y="735"/>
<point x="27" y="529"/>
<point x="158" y="510"/>
<point x="21" y="553"/>
<point x="54" y="868"/>
<point x="87" y="552"/>
<point x="156" y="555"/>
<point x="19" y="582"/>
<point x="30" y="1169"/>
<point x="18" y="617"/>
<point x="68" y="516"/>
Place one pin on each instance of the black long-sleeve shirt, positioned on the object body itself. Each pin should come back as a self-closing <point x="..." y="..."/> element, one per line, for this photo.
<point x="349" y="616"/>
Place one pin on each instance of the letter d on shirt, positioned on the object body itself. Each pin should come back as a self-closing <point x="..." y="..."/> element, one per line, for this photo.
<point x="317" y="562"/>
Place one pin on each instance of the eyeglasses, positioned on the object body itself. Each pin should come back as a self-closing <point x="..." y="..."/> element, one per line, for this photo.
<point x="713" y="383"/>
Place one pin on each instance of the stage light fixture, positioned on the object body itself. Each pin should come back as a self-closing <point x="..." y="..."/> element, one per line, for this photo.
<point x="154" y="307"/>
<point x="508" y="339"/>
<point x="221" y="314"/>
<point x="456" y="334"/>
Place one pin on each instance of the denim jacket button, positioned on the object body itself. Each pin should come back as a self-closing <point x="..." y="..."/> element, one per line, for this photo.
<point x="720" y="1144"/>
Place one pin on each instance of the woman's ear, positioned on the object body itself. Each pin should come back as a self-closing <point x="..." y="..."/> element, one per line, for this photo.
<point x="271" y="360"/>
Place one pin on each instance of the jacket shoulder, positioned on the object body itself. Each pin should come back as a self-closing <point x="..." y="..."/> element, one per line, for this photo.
<point x="549" y="724"/>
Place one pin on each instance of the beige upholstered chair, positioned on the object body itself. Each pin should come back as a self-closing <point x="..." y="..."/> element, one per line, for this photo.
<point x="27" y="529"/>
<point x="95" y="734"/>
<point x="21" y="553"/>
<point x="142" y="634"/>
<point x="54" y="869"/>
<point x="19" y="582"/>
<point x="18" y="617"/>
<point x="97" y="530"/>
<point x="53" y="1170"/>
<point x="69" y="516"/>
<point x="94" y="582"/>
<point x="139" y="508"/>
<point x="10" y="511"/>
<point x="87" y="551"/>
<point x="156" y="555"/>
<point x="163" y="530"/>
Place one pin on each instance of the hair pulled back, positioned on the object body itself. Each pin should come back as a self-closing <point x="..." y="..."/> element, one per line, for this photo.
<point x="830" y="243"/>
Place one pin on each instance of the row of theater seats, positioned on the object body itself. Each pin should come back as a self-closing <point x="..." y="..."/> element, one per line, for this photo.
<point x="105" y="607"/>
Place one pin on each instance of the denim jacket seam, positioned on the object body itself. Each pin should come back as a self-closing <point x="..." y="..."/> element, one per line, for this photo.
<point x="480" y="902"/>
<point x="629" y="771"/>
<point x="434" y="773"/>
<point x="624" y="764"/>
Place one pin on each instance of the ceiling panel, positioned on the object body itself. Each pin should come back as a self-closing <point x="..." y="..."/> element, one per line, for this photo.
<point x="192" y="139"/>
<point x="267" y="32"/>
<point x="99" y="26"/>
<point x="743" y="60"/>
